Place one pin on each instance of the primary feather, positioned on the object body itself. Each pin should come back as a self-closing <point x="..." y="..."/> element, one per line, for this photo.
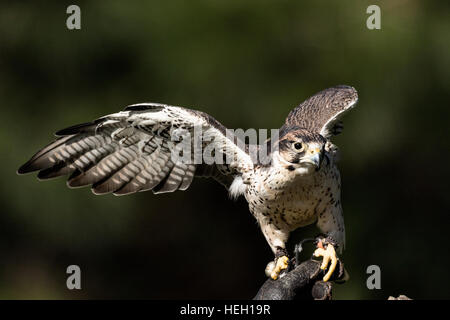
<point x="131" y="151"/>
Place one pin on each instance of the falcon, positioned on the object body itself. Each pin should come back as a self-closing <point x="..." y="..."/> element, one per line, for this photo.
<point x="298" y="183"/>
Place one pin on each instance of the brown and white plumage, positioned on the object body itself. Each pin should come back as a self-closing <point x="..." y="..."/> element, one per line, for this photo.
<point x="321" y="112"/>
<point x="130" y="151"/>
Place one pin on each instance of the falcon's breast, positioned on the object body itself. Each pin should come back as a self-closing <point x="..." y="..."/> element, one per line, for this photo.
<point x="289" y="199"/>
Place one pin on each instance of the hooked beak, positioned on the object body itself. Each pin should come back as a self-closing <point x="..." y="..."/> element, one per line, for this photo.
<point x="314" y="157"/>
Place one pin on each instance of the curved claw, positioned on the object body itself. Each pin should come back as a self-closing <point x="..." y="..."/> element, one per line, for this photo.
<point x="328" y="254"/>
<point x="281" y="264"/>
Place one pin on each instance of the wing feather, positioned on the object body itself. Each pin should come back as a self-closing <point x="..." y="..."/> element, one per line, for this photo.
<point x="321" y="112"/>
<point x="131" y="151"/>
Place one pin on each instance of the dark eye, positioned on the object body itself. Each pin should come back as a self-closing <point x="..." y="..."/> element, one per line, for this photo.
<point x="298" y="146"/>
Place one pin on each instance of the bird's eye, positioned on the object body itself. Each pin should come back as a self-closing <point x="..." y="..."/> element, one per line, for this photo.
<point x="298" y="146"/>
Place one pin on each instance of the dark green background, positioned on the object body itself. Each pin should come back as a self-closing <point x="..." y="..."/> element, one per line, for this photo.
<point x="247" y="63"/>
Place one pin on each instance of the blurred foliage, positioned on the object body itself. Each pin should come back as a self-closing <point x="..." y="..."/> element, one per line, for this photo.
<point x="247" y="63"/>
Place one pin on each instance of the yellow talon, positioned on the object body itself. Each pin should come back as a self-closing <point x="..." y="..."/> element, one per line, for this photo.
<point x="328" y="254"/>
<point x="282" y="263"/>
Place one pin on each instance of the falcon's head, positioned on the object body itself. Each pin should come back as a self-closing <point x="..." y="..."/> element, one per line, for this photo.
<point x="301" y="150"/>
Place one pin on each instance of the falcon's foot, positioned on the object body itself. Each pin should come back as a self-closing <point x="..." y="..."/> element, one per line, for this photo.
<point x="326" y="250"/>
<point x="275" y="268"/>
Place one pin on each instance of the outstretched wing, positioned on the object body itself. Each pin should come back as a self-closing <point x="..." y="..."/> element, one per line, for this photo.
<point x="321" y="112"/>
<point x="136" y="150"/>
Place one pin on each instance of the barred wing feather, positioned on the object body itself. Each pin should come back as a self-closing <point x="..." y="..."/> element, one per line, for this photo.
<point x="131" y="151"/>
